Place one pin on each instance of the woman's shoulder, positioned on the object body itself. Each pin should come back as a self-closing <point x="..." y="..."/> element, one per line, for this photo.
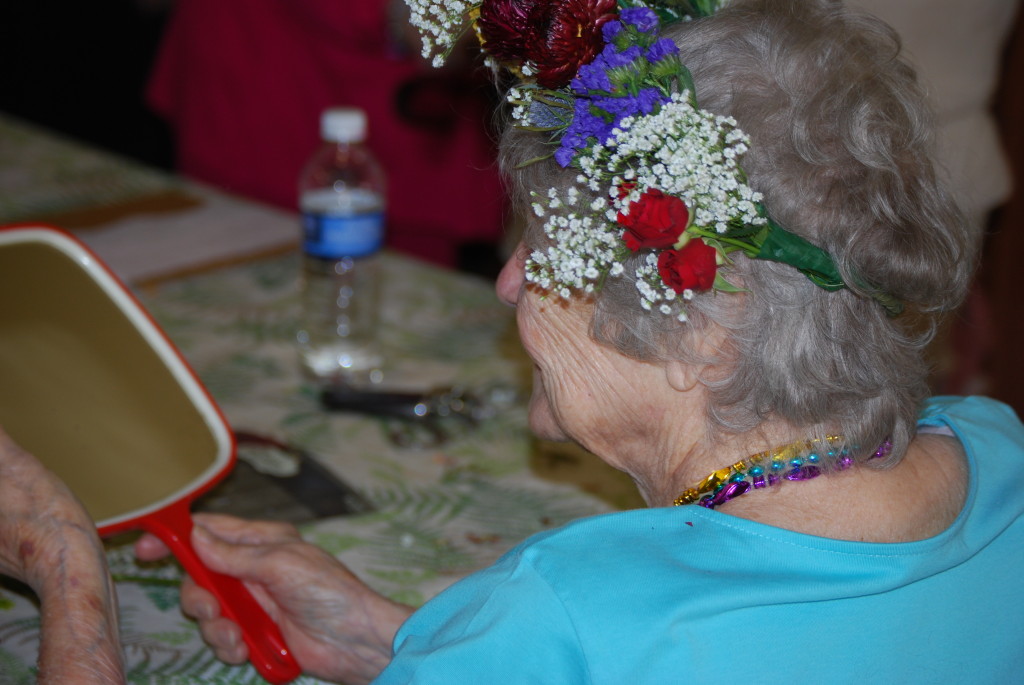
<point x="637" y="526"/>
<point x="989" y="432"/>
<point x="976" y="416"/>
<point x="992" y="438"/>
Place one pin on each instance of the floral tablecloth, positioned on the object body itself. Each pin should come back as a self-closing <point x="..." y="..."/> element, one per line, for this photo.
<point x="440" y="512"/>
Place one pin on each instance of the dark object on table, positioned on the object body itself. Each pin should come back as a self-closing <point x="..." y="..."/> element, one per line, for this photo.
<point x="279" y="482"/>
<point x="414" y="406"/>
<point x="420" y="419"/>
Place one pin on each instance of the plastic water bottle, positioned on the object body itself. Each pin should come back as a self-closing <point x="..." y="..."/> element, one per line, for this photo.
<point x="342" y="200"/>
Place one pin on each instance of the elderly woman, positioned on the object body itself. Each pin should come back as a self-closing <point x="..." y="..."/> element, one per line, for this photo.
<point x="739" y="248"/>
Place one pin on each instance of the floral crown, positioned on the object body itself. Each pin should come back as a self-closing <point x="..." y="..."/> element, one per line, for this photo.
<point x="619" y="107"/>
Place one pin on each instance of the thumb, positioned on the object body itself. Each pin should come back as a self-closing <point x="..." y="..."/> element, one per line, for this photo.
<point x="247" y="562"/>
<point x="150" y="548"/>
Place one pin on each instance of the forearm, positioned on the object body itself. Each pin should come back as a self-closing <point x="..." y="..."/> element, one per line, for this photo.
<point x="49" y="542"/>
<point x="80" y="641"/>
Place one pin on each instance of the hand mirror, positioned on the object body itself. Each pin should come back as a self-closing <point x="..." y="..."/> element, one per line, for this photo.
<point x="91" y="386"/>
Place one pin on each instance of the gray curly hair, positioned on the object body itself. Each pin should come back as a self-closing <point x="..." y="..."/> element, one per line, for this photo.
<point x="841" y="150"/>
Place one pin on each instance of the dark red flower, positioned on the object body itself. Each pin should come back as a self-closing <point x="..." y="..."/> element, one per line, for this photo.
<point x="692" y="267"/>
<point x="654" y="221"/>
<point x="565" y="36"/>
<point x="503" y="25"/>
<point x="557" y="36"/>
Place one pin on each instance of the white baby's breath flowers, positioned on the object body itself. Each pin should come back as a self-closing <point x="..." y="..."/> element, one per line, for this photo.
<point x="440" y="22"/>
<point x="583" y="247"/>
<point x="521" y="100"/>
<point x="680" y="150"/>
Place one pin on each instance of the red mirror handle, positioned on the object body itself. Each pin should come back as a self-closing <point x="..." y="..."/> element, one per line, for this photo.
<point x="267" y="649"/>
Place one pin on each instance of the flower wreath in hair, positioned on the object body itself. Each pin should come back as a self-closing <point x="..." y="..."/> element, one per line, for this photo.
<point x="618" y="107"/>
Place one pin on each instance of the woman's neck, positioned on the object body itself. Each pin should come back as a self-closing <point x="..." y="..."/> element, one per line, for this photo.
<point x="685" y="462"/>
<point x="916" y="499"/>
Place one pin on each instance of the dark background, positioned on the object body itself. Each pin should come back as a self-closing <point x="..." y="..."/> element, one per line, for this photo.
<point x="80" y="67"/>
<point x="1002" y="266"/>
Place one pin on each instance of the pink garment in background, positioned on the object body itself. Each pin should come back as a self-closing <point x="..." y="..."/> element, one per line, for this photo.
<point x="243" y="83"/>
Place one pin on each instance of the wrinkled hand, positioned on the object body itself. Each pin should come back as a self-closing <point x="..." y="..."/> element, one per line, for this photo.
<point x="336" y="627"/>
<point x="49" y="542"/>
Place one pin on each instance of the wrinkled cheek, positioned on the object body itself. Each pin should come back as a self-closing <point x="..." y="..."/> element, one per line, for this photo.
<point x="541" y="414"/>
<point x="528" y="333"/>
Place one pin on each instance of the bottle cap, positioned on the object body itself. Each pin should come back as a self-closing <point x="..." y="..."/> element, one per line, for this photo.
<point x="343" y="125"/>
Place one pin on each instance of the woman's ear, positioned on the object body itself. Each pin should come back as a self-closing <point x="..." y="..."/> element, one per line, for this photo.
<point x="681" y="376"/>
<point x="711" y="352"/>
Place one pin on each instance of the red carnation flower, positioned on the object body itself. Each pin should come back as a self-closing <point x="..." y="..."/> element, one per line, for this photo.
<point x="692" y="267"/>
<point x="654" y="221"/>
<point x="557" y="36"/>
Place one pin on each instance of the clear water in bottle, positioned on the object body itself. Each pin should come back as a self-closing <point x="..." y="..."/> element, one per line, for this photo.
<point x="342" y="203"/>
<point x="340" y="299"/>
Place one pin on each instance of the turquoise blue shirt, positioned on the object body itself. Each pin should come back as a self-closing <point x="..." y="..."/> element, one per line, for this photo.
<point x="684" y="594"/>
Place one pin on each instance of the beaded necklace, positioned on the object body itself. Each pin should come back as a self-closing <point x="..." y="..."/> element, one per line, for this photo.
<point x="798" y="461"/>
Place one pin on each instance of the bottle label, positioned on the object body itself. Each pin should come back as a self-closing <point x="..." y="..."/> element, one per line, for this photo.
<point x="334" y="237"/>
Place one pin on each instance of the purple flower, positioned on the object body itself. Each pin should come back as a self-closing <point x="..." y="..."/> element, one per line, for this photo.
<point x="642" y="103"/>
<point x="585" y="124"/>
<point x="618" y="107"/>
<point x="610" y="30"/>
<point x="612" y="58"/>
<point x="661" y="49"/>
<point x="649" y="99"/>
<point x="564" y="155"/>
<point x="600" y="103"/>
<point x="594" y="76"/>
<point x="595" y="117"/>
<point x="588" y="123"/>
<point x="591" y="77"/>
<point x="643" y="18"/>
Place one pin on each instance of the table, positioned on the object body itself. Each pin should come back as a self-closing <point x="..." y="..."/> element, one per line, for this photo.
<point x="440" y="512"/>
<point x="146" y="224"/>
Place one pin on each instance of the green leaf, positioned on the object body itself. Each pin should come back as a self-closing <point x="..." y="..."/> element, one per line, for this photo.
<point x="781" y="246"/>
<point x="541" y="129"/>
<point x="725" y="286"/>
<point x="686" y="83"/>
<point x="788" y="248"/>
<point x="743" y="230"/>
<point x="534" y="160"/>
<point x="667" y="68"/>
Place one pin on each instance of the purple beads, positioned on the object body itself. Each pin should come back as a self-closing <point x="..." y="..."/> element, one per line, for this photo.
<point x="760" y="474"/>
